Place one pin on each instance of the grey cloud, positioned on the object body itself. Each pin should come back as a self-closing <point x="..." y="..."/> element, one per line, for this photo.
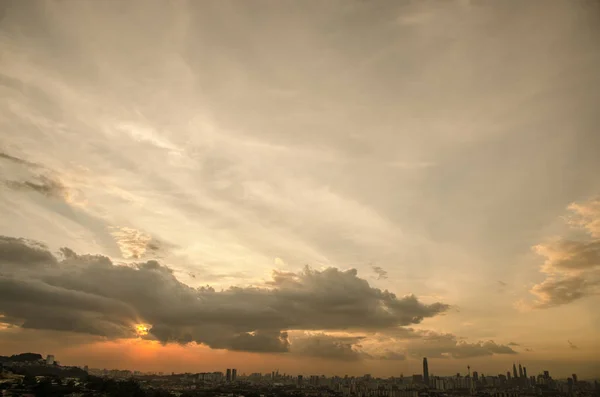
<point x="572" y="346"/>
<point x="88" y="293"/>
<point x="556" y="292"/>
<point x="437" y="345"/>
<point x="381" y="273"/>
<point x="18" y="160"/>
<point x="513" y="344"/>
<point x="565" y="255"/>
<point x="44" y="185"/>
<point x="329" y="346"/>
<point x="23" y="252"/>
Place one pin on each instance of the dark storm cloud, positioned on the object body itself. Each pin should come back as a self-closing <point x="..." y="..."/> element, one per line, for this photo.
<point x="381" y="273"/>
<point x="23" y="252"/>
<point x="88" y="293"/>
<point x="44" y="185"/>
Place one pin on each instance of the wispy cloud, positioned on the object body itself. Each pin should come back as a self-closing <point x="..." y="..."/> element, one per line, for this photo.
<point x="381" y="273"/>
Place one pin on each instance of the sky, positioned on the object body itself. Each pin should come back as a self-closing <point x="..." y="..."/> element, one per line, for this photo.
<point x="338" y="187"/>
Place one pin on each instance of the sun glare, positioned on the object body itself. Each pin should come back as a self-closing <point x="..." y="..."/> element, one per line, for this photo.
<point x="142" y="329"/>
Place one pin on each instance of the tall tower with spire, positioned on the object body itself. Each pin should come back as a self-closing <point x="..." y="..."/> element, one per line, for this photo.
<point x="425" y="371"/>
<point x="515" y="371"/>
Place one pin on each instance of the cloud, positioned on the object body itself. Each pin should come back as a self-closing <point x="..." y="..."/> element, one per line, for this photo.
<point x="513" y="344"/>
<point x="572" y="346"/>
<point x="437" y="345"/>
<point x="572" y="266"/>
<point x="329" y="346"/>
<point x="17" y="160"/>
<point x="587" y="216"/>
<point x="568" y="256"/>
<point x="555" y="292"/>
<point x="132" y="243"/>
<point x="44" y="185"/>
<point x="381" y="273"/>
<point x="24" y="253"/>
<point x="90" y="294"/>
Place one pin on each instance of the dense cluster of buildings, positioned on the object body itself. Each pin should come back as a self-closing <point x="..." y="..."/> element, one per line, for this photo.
<point x="514" y="383"/>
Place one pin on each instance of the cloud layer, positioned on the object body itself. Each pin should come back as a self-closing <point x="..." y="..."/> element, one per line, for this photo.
<point x="90" y="294"/>
<point x="301" y="313"/>
<point x="572" y="266"/>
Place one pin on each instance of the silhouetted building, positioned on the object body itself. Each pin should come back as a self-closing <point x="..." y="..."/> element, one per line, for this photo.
<point x="425" y="371"/>
<point x="525" y="372"/>
<point x="574" y="378"/>
<point x="515" y="371"/>
<point x="508" y="375"/>
<point x="417" y="378"/>
<point x="233" y="375"/>
<point x="49" y="359"/>
<point x="520" y="371"/>
<point x="228" y="376"/>
<point x="475" y="376"/>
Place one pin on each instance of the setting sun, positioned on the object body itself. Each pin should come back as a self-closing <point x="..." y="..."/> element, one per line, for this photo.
<point x="142" y="329"/>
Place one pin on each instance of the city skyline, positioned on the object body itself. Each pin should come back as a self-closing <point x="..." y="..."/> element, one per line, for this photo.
<point x="345" y="186"/>
<point x="230" y="375"/>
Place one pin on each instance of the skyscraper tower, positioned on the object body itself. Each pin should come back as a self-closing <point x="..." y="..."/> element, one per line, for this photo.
<point x="228" y="376"/>
<point x="233" y="375"/>
<point x="515" y="371"/>
<point x="520" y="371"/>
<point x="525" y="372"/>
<point x="425" y="371"/>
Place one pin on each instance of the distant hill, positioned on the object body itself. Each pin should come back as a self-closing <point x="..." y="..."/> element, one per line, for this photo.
<point x="44" y="370"/>
<point x="19" y="358"/>
<point x="35" y="369"/>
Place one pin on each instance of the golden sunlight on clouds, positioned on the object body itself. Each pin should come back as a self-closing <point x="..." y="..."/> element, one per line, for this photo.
<point x="132" y="243"/>
<point x="142" y="329"/>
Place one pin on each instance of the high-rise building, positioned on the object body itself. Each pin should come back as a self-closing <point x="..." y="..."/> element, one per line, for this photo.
<point x="508" y="375"/>
<point x="574" y="378"/>
<point x="475" y="376"/>
<point x="525" y="372"/>
<point x="520" y="371"/>
<point x="515" y="371"/>
<point x="233" y="375"/>
<point x="50" y="359"/>
<point x="425" y="371"/>
<point x="228" y="376"/>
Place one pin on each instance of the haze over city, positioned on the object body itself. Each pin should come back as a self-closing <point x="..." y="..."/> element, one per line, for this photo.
<point x="331" y="187"/>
